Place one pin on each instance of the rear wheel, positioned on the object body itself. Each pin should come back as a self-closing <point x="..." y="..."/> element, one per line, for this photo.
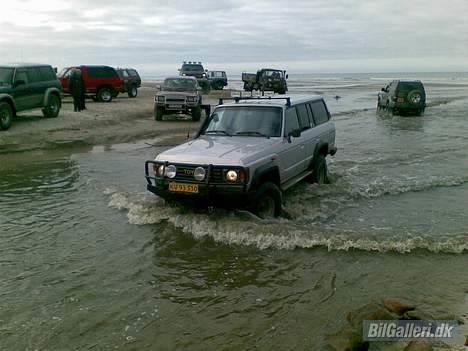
<point x="6" y="115"/>
<point x="196" y="113"/>
<point x="267" y="202"/>
<point x="53" y="107"/>
<point x="104" y="94"/>
<point x="132" y="91"/>
<point x="158" y="113"/>
<point x="320" y="170"/>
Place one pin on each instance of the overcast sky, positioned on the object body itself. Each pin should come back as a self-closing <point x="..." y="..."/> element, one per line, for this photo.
<point x="299" y="35"/>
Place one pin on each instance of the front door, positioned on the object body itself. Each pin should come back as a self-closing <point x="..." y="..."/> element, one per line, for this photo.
<point x="22" y="92"/>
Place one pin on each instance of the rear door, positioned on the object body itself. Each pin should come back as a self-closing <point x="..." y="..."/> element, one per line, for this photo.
<point x="37" y="86"/>
<point x="291" y="156"/>
<point x="309" y="133"/>
<point x="23" y="92"/>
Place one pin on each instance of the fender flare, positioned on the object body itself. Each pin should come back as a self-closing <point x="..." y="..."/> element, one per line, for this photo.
<point x="49" y="92"/>
<point x="321" y="145"/>
<point x="8" y="98"/>
<point x="271" y="167"/>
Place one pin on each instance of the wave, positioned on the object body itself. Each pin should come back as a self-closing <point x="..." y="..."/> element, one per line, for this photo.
<point x="241" y="228"/>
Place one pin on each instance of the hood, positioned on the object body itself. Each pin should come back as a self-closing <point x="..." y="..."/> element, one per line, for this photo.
<point x="218" y="150"/>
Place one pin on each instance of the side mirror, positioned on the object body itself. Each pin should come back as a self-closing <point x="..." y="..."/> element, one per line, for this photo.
<point x="383" y="89"/>
<point x="178" y="69"/>
<point x="287" y="76"/>
<point x="296" y="133"/>
<point x="158" y="87"/>
<point x="19" y="82"/>
<point x="206" y="70"/>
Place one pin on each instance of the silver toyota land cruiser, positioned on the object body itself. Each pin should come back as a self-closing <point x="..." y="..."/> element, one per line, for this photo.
<point x="246" y="153"/>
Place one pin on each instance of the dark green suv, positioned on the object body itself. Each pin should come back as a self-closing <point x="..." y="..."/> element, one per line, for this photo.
<point x="403" y="96"/>
<point x="26" y="87"/>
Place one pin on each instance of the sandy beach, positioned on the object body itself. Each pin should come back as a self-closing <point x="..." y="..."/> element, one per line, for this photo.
<point x="123" y="120"/>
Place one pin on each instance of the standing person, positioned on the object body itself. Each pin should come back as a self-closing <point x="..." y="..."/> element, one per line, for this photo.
<point x="74" y="87"/>
<point x="83" y="92"/>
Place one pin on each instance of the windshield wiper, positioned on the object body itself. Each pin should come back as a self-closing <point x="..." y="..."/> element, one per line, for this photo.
<point x="217" y="132"/>
<point x="252" y="133"/>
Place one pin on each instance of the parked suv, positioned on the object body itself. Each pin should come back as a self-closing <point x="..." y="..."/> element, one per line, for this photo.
<point x="178" y="95"/>
<point x="26" y="87"/>
<point x="131" y="81"/>
<point x="403" y="96"/>
<point x="247" y="153"/>
<point x="218" y="79"/>
<point x="102" y="82"/>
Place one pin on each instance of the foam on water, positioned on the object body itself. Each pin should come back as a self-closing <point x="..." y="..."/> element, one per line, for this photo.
<point x="241" y="228"/>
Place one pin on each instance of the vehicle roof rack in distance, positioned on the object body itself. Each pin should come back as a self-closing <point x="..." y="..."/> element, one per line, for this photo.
<point x="239" y="98"/>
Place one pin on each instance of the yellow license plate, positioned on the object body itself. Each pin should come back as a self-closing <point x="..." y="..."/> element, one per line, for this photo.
<point x="183" y="188"/>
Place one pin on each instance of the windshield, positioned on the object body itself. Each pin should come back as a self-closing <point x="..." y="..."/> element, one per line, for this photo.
<point x="274" y="74"/>
<point x="245" y="121"/>
<point x="192" y="68"/>
<point x="6" y="75"/>
<point x="181" y="84"/>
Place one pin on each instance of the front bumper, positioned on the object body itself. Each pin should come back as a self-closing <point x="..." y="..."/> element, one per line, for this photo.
<point x="209" y="194"/>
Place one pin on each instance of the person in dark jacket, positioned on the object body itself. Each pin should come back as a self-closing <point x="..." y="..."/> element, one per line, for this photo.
<point x="75" y="89"/>
<point x="83" y="93"/>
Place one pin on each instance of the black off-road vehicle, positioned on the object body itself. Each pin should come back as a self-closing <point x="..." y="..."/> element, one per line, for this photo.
<point x="196" y="70"/>
<point x="131" y="81"/>
<point x="403" y="96"/>
<point x="218" y="79"/>
<point x="26" y="87"/>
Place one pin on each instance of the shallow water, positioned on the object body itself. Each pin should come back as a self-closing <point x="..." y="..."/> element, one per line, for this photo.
<point x="91" y="261"/>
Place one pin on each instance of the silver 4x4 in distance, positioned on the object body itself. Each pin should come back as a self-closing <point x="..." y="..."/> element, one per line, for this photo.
<point x="247" y="153"/>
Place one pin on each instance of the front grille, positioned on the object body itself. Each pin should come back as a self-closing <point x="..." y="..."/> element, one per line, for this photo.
<point x="217" y="175"/>
<point x="185" y="173"/>
<point x="175" y="101"/>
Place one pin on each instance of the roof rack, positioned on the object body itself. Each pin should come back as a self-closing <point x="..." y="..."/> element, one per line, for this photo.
<point x="238" y="98"/>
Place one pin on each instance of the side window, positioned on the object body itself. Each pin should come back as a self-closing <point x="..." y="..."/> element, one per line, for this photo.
<point x="133" y="73"/>
<point x="22" y="75"/>
<point x="311" y="116"/>
<point x="33" y="75"/>
<point x="93" y="72"/>
<point x="320" y="112"/>
<point x="303" y="117"/>
<point x="292" y="123"/>
<point x="124" y="73"/>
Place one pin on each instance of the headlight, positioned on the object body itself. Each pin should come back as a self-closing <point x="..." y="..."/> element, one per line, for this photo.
<point x="231" y="176"/>
<point x="199" y="173"/>
<point x="161" y="171"/>
<point x="160" y="99"/>
<point x="170" y="171"/>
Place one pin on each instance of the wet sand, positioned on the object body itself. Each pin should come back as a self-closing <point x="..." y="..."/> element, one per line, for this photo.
<point x="122" y="120"/>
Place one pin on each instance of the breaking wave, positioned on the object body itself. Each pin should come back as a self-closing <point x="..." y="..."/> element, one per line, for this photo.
<point x="243" y="228"/>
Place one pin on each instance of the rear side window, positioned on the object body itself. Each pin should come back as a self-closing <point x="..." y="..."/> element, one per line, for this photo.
<point x="101" y="72"/>
<point x="133" y="73"/>
<point x="304" y="122"/>
<point x="22" y="75"/>
<point x="47" y="74"/>
<point x="34" y="75"/>
<point x="319" y="112"/>
<point x="292" y="123"/>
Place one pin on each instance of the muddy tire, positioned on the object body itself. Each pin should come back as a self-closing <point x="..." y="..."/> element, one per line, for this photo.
<point x="158" y="113"/>
<point x="132" y="91"/>
<point x="104" y="94"/>
<point x="53" y="107"/>
<point x="320" y="171"/>
<point x="196" y="113"/>
<point x="267" y="201"/>
<point x="6" y="115"/>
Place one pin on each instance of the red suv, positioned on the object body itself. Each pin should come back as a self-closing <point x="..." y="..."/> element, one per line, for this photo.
<point x="102" y="82"/>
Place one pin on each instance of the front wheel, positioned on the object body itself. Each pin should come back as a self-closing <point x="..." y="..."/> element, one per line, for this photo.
<point x="6" y="115"/>
<point x="104" y="94"/>
<point x="158" y="113"/>
<point x="133" y="91"/>
<point x="196" y="113"/>
<point x="53" y="107"/>
<point x="267" y="202"/>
